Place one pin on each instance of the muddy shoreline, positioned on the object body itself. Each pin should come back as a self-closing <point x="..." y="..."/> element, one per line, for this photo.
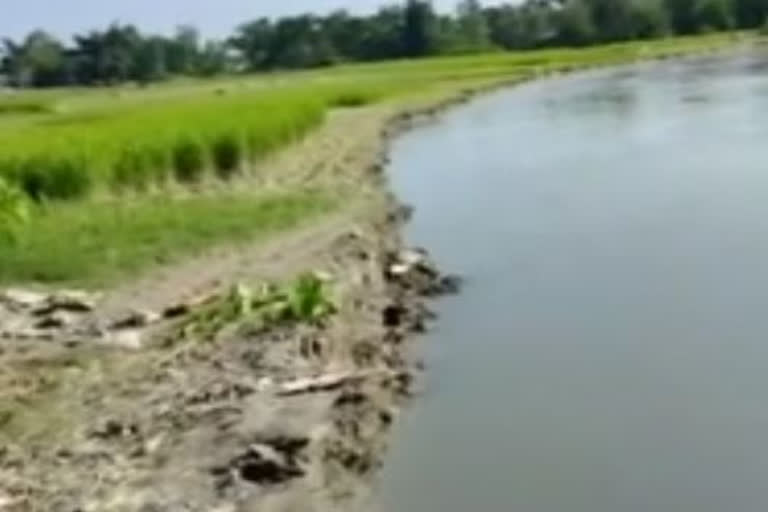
<point x="296" y="417"/>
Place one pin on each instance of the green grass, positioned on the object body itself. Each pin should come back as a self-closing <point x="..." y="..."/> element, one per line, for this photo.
<point x="187" y="129"/>
<point x="87" y="152"/>
<point x="100" y="242"/>
<point x="87" y="156"/>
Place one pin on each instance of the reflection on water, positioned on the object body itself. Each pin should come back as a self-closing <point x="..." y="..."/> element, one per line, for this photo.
<point x="610" y="352"/>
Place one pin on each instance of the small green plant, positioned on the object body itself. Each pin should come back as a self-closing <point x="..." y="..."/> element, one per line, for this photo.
<point x="306" y="300"/>
<point x="14" y="211"/>
<point x="188" y="160"/>
<point x="227" y="153"/>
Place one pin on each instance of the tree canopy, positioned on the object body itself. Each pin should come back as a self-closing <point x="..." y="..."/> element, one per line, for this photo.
<point x="121" y="53"/>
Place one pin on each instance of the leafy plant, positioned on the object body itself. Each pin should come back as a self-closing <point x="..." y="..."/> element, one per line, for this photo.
<point x="306" y="300"/>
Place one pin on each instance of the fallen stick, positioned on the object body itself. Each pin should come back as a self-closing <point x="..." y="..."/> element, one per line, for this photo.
<point x="329" y="382"/>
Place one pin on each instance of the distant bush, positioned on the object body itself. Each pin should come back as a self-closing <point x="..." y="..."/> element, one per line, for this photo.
<point x="227" y="153"/>
<point x="188" y="160"/>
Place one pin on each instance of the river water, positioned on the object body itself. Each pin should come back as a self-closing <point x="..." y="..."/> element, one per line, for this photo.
<point x="610" y="350"/>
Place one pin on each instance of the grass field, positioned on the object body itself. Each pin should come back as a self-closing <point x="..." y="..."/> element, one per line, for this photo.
<point x="86" y="159"/>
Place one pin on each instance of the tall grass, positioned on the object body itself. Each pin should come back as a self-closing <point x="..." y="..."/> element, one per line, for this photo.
<point x="123" y="142"/>
<point x="106" y="240"/>
<point x="228" y="151"/>
<point x="188" y="160"/>
<point x="134" y="147"/>
<point x="52" y="177"/>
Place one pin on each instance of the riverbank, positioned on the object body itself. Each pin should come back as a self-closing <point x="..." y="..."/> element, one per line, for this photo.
<point x="122" y="181"/>
<point x="156" y="410"/>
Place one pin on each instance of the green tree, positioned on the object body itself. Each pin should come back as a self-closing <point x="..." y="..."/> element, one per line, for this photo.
<point x="346" y="34"/>
<point x="183" y="50"/>
<point x="149" y="62"/>
<point x="107" y="57"/>
<point x="382" y="36"/>
<point x="650" y="19"/>
<point x="252" y="41"/>
<point x="213" y="59"/>
<point x="472" y="25"/>
<point x="298" y="42"/>
<point x="505" y="27"/>
<point x="121" y="45"/>
<point x="682" y="15"/>
<point x="613" y="19"/>
<point x="750" y="13"/>
<point x="39" y="61"/>
<point x="419" y="34"/>
<point x="714" y="14"/>
<point x="574" y="23"/>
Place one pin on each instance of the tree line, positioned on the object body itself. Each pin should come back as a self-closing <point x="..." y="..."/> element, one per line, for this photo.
<point x="122" y="53"/>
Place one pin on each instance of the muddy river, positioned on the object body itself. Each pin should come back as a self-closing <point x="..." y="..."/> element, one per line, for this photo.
<point x="610" y="350"/>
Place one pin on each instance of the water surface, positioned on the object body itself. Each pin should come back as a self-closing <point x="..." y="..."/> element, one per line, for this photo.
<point x="610" y="350"/>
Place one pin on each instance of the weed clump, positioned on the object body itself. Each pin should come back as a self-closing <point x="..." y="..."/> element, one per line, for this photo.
<point x="307" y="300"/>
<point x="53" y="178"/>
<point x="227" y="153"/>
<point x="188" y="160"/>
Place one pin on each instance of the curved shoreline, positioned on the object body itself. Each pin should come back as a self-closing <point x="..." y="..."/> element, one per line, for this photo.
<point x="294" y="418"/>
